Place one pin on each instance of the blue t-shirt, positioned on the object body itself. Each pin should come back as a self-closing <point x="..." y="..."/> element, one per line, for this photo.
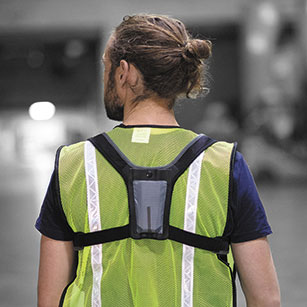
<point x="247" y="220"/>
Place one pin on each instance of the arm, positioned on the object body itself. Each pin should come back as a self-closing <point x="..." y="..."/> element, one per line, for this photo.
<point x="257" y="273"/>
<point x="55" y="270"/>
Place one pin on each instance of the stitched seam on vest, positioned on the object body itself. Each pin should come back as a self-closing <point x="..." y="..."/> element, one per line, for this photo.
<point x="190" y="225"/>
<point x="94" y="219"/>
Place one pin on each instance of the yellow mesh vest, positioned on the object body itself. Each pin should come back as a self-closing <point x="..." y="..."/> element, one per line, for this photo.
<point x="148" y="272"/>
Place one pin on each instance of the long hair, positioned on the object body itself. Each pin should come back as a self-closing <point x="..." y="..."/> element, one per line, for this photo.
<point x="171" y="62"/>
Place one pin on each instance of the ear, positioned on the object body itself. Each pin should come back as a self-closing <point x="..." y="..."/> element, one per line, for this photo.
<point x="123" y="72"/>
<point x="133" y="76"/>
<point x="127" y="74"/>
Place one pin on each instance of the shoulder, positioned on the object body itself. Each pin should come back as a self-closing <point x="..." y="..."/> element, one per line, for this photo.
<point x="243" y="179"/>
<point x="240" y="161"/>
<point x="249" y="217"/>
<point x="221" y="154"/>
<point x="242" y="175"/>
<point x="68" y="158"/>
<point x="71" y="150"/>
<point x="221" y="147"/>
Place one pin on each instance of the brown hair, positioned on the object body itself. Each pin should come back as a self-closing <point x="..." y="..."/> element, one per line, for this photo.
<point x="160" y="47"/>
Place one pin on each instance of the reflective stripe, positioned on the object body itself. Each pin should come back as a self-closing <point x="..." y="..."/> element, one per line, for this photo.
<point x="94" y="218"/>
<point x="190" y="225"/>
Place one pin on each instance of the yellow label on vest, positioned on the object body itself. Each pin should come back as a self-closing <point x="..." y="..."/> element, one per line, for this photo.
<point x="141" y="135"/>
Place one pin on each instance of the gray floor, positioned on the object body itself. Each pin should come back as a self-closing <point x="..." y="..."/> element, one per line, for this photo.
<point x="19" y="206"/>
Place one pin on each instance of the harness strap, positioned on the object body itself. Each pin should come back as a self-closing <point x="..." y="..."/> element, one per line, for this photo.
<point x="216" y="245"/>
<point x="82" y="239"/>
<point x="122" y="164"/>
<point x="107" y="148"/>
<point x="170" y="172"/>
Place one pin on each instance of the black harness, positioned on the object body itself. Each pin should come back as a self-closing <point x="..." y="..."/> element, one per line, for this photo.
<point x="149" y="196"/>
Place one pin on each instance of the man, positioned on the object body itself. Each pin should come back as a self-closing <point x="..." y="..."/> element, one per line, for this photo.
<point x="150" y="207"/>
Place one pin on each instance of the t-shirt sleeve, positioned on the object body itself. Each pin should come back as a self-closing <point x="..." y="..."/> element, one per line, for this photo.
<point x="52" y="222"/>
<point x="249" y="217"/>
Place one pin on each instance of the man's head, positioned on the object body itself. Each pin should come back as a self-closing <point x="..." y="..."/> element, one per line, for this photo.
<point x="169" y="62"/>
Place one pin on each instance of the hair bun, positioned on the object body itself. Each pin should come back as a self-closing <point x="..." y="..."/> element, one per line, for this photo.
<point x="198" y="48"/>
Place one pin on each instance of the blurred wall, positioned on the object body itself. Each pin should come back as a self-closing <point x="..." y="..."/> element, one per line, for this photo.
<point x="67" y="13"/>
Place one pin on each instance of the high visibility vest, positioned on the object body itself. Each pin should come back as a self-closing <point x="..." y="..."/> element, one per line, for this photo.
<point x="148" y="271"/>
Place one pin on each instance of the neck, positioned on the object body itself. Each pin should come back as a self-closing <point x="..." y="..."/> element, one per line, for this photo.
<point x="149" y="112"/>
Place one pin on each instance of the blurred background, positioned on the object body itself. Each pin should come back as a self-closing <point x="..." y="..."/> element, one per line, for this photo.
<point x="51" y="94"/>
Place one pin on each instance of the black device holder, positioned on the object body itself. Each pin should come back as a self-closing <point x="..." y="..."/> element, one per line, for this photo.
<point x="149" y="196"/>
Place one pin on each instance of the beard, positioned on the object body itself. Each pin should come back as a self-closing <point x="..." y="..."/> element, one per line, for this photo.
<point x="113" y="104"/>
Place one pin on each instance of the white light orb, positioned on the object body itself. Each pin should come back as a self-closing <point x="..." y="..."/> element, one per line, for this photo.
<point x="268" y="13"/>
<point x="43" y="110"/>
<point x="257" y="44"/>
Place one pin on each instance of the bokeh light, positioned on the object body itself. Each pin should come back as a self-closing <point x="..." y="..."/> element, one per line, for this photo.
<point x="43" y="110"/>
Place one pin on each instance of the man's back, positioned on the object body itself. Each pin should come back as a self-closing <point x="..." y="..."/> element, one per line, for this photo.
<point x="136" y="272"/>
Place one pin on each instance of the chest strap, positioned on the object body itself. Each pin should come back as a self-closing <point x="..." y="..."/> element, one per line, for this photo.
<point x="218" y="245"/>
<point x="165" y="177"/>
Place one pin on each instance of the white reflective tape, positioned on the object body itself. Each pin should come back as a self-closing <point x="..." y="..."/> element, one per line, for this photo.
<point x="190" y="225"/>
<point x="94" y="218"/>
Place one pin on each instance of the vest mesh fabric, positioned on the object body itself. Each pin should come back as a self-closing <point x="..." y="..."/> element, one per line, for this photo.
<point x="148" y="272"/>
